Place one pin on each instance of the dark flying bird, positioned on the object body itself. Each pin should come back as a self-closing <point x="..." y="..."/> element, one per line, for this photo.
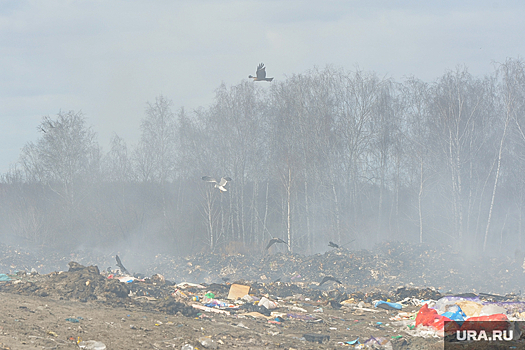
<point x="329" y="278"/>
<point x="261" y="74"/>
<point x="333" y="245"/>
<point x="218" y="184"/>
<point x="273" y="241"/>
<point x="119" y="264"/>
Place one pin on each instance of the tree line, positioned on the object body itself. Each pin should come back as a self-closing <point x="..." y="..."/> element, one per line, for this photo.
<point x="327" y="155"/>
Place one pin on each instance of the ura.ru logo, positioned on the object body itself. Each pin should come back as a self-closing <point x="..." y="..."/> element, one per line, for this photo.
<point x="495" y="335"/>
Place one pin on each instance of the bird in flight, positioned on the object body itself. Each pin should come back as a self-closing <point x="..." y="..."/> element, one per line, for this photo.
<point x="119" y="264"/>
<point x="329" y="278"/>
<point x="261" y="74"/>
<point x="334" y="245"/>
<point x="273" y="241"/>
<point x="218" y="184"/>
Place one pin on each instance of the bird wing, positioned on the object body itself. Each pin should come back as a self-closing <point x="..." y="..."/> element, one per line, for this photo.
<point x="279" y="240"/>
<point x="119" y="264"/>
<point x="325" y="278"/>
<point x="209" y="179"/>
<point x="261" y="71"/>
<point x="272" y="241"/>
<point x="223" y="182"/>
<point x="332" y="278"/>
<point x="333" y="245"/>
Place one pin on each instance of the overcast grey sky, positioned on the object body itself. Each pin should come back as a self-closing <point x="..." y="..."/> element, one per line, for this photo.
<point x="108" y="58"/>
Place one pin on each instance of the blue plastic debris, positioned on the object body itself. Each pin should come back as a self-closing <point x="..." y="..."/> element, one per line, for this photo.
<point x="353" y="342"/>
<point x="456" y="314"/>
<point x="387" y="305"/>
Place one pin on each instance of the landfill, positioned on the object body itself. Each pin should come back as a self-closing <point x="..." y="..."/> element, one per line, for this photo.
<point x="392" y="297"/>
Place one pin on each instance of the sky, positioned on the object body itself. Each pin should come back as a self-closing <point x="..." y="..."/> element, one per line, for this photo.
<point x="109" y="58"/>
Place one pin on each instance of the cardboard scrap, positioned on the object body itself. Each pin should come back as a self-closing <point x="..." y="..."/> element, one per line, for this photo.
<point x="238" y="291"/>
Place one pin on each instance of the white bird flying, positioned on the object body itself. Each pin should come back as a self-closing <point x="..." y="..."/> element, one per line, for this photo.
<point x="218" y="184"/>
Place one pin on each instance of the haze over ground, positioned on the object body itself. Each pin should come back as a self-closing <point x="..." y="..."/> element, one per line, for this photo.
<point x="109" y="58"/>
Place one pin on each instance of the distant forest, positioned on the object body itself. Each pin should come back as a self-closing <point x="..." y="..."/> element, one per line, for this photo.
<point x="328" y="155"/>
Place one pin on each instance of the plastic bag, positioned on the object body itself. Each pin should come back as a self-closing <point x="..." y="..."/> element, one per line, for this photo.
<point x="430" y="317"/>
<point x="486" y="323"/>
<point x="455" y="314"/>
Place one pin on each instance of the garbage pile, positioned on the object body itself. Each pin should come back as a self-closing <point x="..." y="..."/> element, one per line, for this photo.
<point x="89" y="284"/>
<point x="390" y="264"/>
<point x="306" y="314"/>
<point x="79" y="283"/>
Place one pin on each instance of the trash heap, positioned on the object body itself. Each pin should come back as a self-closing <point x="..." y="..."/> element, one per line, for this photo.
<point x="391" y="264"/>
<point x="376" y="317"/>
<point x="388" y="264"/>
<point x="79" y="283"/>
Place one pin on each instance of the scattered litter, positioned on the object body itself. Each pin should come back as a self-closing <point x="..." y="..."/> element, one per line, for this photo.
<point x="210" y="309"/>
<point x="208" y="343"/>
<point x="387" y="305"/>
<point x="73" y="320"/>
<point x="300" y="316"/>
<point x="268" y="303"/>
<point x="92" y="345"/>
<point x="276" y="306"/>
<point x="241" y="325"/>
<point x="296" y="308"/>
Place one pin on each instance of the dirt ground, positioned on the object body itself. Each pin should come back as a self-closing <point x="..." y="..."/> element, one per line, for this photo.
<point x="29" y="322"/>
